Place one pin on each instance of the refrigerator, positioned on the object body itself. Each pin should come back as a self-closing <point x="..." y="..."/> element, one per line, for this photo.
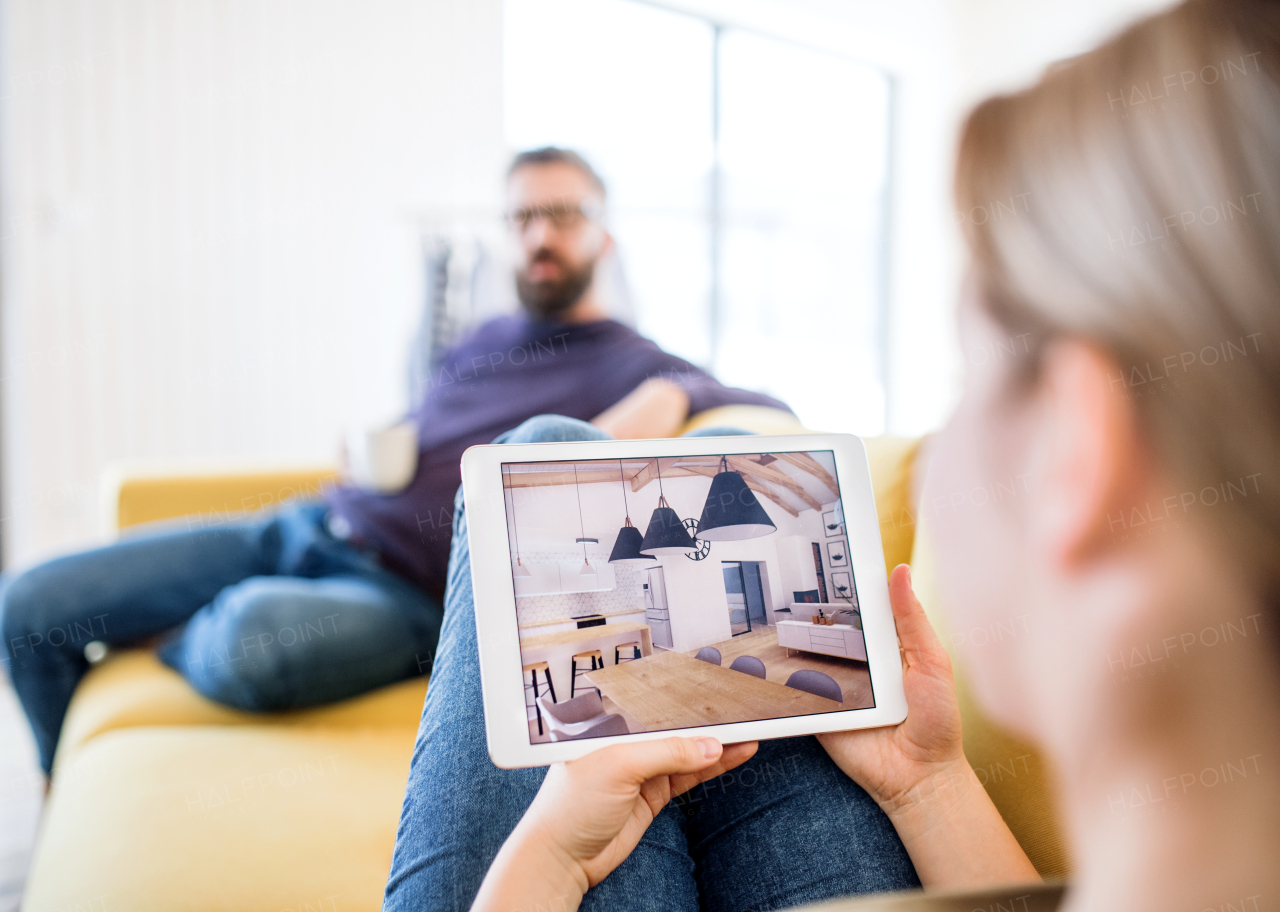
<point x="656" y="614"/>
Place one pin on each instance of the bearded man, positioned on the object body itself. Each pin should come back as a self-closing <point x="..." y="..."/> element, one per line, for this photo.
<point x="323" y="600"/>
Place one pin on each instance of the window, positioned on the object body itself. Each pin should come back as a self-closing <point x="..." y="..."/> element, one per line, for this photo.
<point x="747" y="181"/>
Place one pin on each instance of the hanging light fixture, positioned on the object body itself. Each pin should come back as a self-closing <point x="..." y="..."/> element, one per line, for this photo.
<point x="732" y="511"/>
<point x="666" y="533"/>
<point x="519" y="569"/>
<point x="626" y="549"/>
<point x="586" y="569"/>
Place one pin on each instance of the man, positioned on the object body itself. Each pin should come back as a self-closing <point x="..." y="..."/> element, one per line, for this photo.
<point x="324" y="600"/>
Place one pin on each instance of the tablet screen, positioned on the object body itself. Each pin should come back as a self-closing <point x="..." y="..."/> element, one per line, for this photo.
<point x="665" y="593"/>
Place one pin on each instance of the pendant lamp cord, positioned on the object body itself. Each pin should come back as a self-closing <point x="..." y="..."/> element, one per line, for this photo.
<point x="581" y="528"/>
<point x="662" y="495"/>
<point x="515" y="527"/>
<point x="626" y="510"/>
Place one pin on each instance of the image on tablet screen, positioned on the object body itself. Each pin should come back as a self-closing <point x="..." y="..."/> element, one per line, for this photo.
<point x="664" y="593"/>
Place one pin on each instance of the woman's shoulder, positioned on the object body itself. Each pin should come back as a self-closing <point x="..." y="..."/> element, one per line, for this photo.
<point x="1024" y="898"/>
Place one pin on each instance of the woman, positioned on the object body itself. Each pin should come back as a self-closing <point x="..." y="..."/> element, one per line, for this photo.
<point x="1142" y="283"/>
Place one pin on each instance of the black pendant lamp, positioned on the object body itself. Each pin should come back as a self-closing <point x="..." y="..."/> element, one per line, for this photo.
<point x="626" y="550"/>
<point x="732" y="511"/>
<point x="666" y="533"/>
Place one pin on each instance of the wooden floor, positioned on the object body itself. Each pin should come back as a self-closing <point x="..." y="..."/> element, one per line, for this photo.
<point x="21" y="795"/>
<point x="853" y="676"/>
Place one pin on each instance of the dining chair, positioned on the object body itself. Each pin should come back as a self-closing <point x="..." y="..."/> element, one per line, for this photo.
<point x="581" y="717"/>
<point x="709" y="654"/>
<point x="748" y="665"/>
<point x="816" y="683"/>
<point x="610" y="724"/>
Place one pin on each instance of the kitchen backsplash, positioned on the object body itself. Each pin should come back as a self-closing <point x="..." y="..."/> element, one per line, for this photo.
<point x="627" y="594"/>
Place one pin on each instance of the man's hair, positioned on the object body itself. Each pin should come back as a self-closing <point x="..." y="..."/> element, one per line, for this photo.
<point x="550" y="155"/>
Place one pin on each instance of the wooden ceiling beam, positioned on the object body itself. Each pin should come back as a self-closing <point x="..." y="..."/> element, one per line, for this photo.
<point x="813" y="467"/>
<point x="561" y="473"/>
<point x="747" y="468"/>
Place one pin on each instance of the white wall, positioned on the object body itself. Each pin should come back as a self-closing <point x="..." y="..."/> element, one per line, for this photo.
<point x="209" y="241"/>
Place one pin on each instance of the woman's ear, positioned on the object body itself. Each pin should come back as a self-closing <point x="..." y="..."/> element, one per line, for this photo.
<point x="1087" y="459"/>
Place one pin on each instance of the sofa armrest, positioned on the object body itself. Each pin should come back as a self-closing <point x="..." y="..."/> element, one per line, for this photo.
<point x="133" y="497"/>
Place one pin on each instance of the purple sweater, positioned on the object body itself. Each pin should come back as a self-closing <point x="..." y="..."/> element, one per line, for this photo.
<point x="506" y="372"/>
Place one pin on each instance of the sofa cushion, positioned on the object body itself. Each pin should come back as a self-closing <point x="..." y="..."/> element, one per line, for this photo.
<point x="265" y="817"/>
<point x="134" y="689"/>
<point x="892" y="462"/>
<point x="208" y="498"/>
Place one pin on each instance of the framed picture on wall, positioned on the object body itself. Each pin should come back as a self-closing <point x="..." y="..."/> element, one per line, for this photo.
<point x="842" y="585"/>
<point x="838" y="554"/>
<point x="831" y="524"/>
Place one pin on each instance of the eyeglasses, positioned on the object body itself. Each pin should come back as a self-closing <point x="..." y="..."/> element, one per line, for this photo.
<point x="561" y="215"/>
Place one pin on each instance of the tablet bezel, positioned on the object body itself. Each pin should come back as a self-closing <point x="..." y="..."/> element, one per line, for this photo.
<point x="498" y="636"/>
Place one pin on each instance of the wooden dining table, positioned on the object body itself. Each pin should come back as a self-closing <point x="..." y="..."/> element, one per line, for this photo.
<point x="672" y="690"/>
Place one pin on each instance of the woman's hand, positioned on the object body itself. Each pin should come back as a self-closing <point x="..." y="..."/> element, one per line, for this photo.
<point x="589" y="815"/>
<point x="893" y="764"/>
<point x="917" y="771"/>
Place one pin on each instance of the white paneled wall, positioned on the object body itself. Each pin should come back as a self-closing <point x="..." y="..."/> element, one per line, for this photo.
<point x="209" y="243"/>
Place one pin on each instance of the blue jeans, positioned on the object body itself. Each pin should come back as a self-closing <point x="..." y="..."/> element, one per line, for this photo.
<point x="276" y="613"/>
<point x="785" y="828"/>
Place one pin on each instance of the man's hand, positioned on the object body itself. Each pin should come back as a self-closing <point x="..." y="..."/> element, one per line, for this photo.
<point x="655" y="408"/>
<point x="380" y="461"/>
<point x="589" y="815"/>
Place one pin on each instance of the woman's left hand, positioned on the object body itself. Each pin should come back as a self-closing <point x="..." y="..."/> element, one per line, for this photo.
<point x="589" y="815"/>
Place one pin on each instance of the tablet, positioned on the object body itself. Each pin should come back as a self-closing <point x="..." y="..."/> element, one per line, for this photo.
<point x="723" y="586"/>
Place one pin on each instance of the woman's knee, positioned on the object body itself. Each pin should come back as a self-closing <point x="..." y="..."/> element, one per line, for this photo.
<point x="552" y="429"/>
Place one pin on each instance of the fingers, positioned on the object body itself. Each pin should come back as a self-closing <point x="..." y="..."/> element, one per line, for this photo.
<point x="920" y="644"/>
<point x="734" y="755"/>
<point x="641" y="761"/>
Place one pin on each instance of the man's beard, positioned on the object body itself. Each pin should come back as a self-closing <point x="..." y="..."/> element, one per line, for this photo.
<point x="551" y="298"/>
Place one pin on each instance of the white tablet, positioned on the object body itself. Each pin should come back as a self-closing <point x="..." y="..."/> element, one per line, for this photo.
<point x="723" y="586"/>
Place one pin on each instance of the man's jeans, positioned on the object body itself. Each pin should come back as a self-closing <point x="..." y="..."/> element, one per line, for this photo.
<point x="277" y="614"/>
<point x="785" y="828"/>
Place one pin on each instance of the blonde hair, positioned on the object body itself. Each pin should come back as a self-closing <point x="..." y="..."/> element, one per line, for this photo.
<point x="1131" y="198"/>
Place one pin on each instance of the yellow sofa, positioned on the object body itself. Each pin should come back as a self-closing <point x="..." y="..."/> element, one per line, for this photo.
<point x="162" y="800"/>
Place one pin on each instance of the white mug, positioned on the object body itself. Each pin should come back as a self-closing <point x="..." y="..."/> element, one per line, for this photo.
<point x="383" y="460"/>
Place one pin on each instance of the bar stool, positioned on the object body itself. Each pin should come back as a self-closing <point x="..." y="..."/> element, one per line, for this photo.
<point x="597" y="662"/>
<point x="634" y="646"/>
<point x="533" y="668"/>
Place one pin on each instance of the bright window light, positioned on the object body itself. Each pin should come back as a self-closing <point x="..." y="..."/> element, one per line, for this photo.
<point x="747" y="189"/>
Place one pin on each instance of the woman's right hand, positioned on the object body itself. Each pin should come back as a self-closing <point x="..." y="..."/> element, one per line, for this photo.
<point x="917" y="771"/>
<point x="894" y="764"/>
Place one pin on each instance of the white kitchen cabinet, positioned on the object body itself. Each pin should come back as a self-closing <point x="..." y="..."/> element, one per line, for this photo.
<point x="827" y="639"/>
<point x="559" y="577"/>
<point x="573" y="581"/>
